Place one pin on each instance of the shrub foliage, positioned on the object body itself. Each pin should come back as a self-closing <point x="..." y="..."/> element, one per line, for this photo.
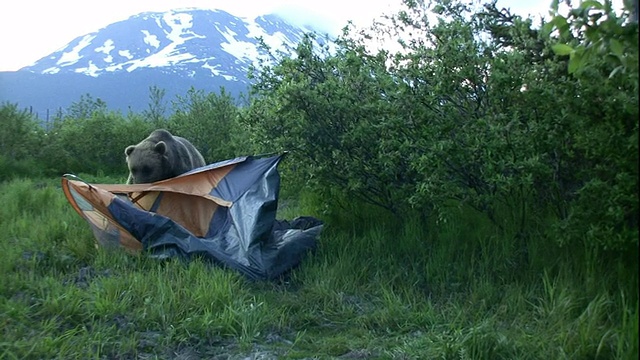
<point x="475" y="110"/>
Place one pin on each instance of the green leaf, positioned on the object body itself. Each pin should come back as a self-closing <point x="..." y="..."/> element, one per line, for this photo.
<point x="562" y="25"/>
<point x="592" y="33"/>
<point x="547" y="29"/>
<point x="586" y="5"/>
<point x="562" y="49"/>
<point x="616" y="47"/>
<point x="615" y="71"/>
<point x="575" y="62"/>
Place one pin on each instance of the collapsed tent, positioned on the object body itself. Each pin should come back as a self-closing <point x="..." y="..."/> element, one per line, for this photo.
<point x="224" y="212"/>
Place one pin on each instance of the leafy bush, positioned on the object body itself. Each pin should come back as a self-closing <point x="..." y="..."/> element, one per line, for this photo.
<point x="20" y="142"/>
<point x="475" y="110"/>
<point x="20" y="133"/>
<point x="334" y="113"/>
<point x="91" y="139"/>
<point x="602" y="49"/>
<point x="211" y="123"/>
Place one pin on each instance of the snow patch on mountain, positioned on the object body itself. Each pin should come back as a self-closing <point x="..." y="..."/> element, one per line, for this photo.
<point x="106" y="49"/>
<point x="51" y="70"/>
<point x="190" y="42"/>
<point x="125" y="53"/>
<point x="92" y="69"/>
<point x="236" y="48"/>
<point x="151" y="39"/>
<point x="72" y="57"/>
<point x="276" y="40"/>
<point x="180" y="33"/>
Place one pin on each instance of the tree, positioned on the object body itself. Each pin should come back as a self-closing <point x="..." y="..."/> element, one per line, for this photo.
<point x="593" y="33"/>
<point x="210" y="122"/>
<point x="475" y="111"/>
<point x="157" y="107"/>
<point x="332" y="113"/>
<point x="20" y="142"/>
<point x="19" y="133"/>
<point x="602" y="47"/>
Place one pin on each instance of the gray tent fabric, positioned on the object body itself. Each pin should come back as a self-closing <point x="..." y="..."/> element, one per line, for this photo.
<point x="223" y="212"/>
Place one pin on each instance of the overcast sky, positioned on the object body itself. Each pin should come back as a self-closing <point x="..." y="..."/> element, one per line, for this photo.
<point x="32" y="29"/>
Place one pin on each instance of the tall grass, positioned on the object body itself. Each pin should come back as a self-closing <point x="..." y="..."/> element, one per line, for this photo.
<point x="377" y="287"/>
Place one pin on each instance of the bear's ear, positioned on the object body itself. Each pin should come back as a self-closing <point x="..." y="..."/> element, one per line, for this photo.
<point x="129" y="150"/>
<point x="161" y="147"/>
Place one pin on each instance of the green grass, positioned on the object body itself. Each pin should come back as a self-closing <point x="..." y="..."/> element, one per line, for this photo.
<point x="376" y="288"/>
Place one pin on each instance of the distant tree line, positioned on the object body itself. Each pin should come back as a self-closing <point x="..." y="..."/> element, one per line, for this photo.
<point x="88" y="137"/>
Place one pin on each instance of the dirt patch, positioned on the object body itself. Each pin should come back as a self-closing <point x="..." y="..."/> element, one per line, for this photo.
<point x="358" y="354"/>
<point x="85" y="276"/>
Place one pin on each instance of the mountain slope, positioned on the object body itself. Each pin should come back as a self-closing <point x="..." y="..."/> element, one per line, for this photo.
<point x="173" y="50"/>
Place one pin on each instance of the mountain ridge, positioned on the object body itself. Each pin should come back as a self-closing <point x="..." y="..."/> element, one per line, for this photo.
<point x="172" y="38"/>
<point x="173" y="50"/>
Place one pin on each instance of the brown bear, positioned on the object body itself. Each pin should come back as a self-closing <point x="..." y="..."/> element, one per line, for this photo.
<point x="161" y="156"/>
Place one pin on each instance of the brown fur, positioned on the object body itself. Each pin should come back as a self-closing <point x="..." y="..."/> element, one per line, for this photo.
<point x="161" y="156"/>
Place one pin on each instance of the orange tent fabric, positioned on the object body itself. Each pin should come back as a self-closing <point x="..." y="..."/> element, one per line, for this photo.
<point x="224" y="212"/>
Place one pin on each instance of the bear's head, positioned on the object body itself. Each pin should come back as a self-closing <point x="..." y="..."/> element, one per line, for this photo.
<point x="148" y="162"/>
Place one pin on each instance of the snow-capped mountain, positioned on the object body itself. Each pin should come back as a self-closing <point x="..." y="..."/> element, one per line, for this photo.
<point x="173" y="50"/>
<point x="189" y="42"/>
